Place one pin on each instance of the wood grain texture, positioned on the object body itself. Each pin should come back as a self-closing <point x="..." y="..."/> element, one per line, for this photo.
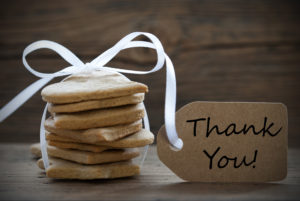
<point x="21" y="179"/>
<point x="222" y="50"/>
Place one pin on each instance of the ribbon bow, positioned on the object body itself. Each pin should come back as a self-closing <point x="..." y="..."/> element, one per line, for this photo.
<point x="98" y="64"/>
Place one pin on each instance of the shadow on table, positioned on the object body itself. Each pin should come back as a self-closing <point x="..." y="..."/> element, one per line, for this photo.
<point x="133" y="189"/>
<point x="217" y="188"/>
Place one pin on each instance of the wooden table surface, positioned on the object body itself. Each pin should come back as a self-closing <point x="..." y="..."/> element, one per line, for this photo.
<point x="21" y="179"/>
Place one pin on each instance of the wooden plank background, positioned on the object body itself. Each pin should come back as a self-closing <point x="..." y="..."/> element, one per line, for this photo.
<point x="222" y="50"/>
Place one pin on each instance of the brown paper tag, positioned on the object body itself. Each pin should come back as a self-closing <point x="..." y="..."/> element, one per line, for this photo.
<point x="228" y="142"/>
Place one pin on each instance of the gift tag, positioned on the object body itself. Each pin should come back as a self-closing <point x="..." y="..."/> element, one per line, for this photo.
<point x="228" y="142"/>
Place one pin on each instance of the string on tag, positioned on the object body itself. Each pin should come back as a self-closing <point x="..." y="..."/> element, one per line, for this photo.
<point x="99" y="63"/>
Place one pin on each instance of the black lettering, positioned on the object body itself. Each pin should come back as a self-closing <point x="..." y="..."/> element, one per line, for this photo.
<point x="195" y="124"/>
<point x="244" y="162"/>
<point x="225" y="160"/>
<point x="208" y="130"/>
<point x="267" y="130"/>
<point x="220" y="161"/>
<point x="246" y="130"/>
<point x="211" y="156"/>
<point x="232" y="128"/>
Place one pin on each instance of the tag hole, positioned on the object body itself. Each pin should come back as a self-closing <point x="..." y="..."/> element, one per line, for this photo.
<point x="179" y="144"/>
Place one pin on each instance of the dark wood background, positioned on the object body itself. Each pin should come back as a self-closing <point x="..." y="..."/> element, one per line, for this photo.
<point x="222" y="51"/>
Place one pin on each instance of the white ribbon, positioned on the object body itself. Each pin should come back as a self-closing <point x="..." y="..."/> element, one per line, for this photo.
<point x="98" y="64"/>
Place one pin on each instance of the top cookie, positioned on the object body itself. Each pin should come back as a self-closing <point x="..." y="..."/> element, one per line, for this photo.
<point x="92" y="85"/>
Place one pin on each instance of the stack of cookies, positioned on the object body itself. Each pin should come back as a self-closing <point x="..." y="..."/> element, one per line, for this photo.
<point x="95" y="126"/>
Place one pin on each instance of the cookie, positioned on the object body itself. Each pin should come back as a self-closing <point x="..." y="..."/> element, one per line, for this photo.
<point x="138" y="139"/>
<point x="99" y="118"/>
<point x="91" y="85"/>
<point x="78" y="146"/>
<point x="85" y="157"/>
<point x="96" y="104"/>
<point x="62" y="169"/>
<point x="95" y="135"/>
<point x="35" y="149"/>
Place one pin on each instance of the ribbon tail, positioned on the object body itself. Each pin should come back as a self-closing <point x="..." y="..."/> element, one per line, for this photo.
<point x="22" y="97"/>
<point x="147" y="127"/>
<point x="43" y="142"/>
<point x="170" y="105"/>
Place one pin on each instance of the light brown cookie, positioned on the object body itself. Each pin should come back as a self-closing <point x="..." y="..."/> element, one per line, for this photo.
<point x="92" y="85"/>
<point x="86" y="157"/>
<point x="96" y="104"/>
<point x="78" y="146"/>
<point x="139" y="139"/>
<point x="35" y="149"/>
<point x="62" y="169"/>
<point x="99" y="118"/>
<point x="95" y="135"/>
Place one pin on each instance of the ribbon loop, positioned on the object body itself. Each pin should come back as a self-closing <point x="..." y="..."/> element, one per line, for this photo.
<point x="65" y="53"/>
<point x="97" y="64"/>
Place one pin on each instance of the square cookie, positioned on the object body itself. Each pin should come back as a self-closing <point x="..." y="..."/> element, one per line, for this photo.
<point x="78" y="146"/>
<point x="138" y="139"/>
<point x="62" y="169"/>
<point x="85" y="157"/>
<point x="99" y="118"/>
<point x="35" y="150"/>
<point x="92" y="85"/>
<point x="94" y="135"/>
<point x="96" y="104"/>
